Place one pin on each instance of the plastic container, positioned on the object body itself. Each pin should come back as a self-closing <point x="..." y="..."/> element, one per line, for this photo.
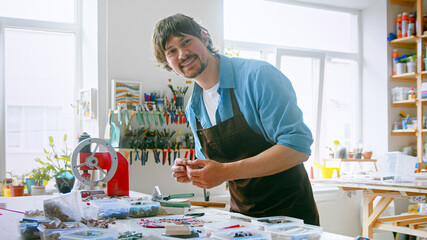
<point x="52" y="234"/>
<point x="27" y="227"/>
<point x="66" y="207"/>
<point x="241" y="233"/>
<point x="400" y="93"/>
<point x="398" y="166"/>
<point x="111" y="208"/>
<point x="267" y="222"/>
<point x="295" y="232"/>
<point x="143" y="209"/>
<point x="411" y="67"/>
<point x="90" y="233"/>
<point x="228" y="224"/>
<point x="400" y="68"/>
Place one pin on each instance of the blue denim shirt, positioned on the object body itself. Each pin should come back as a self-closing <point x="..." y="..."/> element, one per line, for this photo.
<point x="265" y="97"/>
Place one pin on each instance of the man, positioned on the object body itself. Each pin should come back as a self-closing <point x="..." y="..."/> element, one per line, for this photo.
<point x="246" y="123"/>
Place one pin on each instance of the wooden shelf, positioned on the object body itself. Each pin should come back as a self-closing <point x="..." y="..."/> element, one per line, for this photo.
<point x="406" y="77"/>
<point x="406" y="132"/>
<point x="409" y="3"/>
<point x="407" y="42"/>
<point x="341" y="160"/>
<point x="404" y="103"/>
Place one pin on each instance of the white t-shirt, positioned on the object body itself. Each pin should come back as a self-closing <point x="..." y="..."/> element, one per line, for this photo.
<point x="211" y="98"/>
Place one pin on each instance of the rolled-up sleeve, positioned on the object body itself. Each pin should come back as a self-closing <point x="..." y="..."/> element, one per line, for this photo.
<point x="280" y="117"/>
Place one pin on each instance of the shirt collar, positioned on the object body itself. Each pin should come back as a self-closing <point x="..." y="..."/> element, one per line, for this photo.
<point x="226" y="80"/>
<point x="226" y="72"/>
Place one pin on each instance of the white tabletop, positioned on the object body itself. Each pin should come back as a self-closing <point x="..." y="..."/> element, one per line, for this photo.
<point x="9" y="220"/>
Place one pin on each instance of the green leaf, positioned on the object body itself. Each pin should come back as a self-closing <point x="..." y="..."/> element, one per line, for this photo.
<point x="65" y="137"/>
<point x="50" y="139"/>
<point x="45" y="151"/>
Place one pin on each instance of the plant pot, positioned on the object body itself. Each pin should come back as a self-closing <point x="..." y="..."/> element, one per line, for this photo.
<point x="64" y="182"/>
<point x="30" y="182"/>
<point x="6" y="192"/>
<point x="38" y="190"/>
<point x="358" y="155"/>
<point x="17" y="191"/>
<point x="367" y="155"/>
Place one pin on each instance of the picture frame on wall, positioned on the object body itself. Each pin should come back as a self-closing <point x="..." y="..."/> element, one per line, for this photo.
<point x="87" y="103"/>
<point x="126" y="92"/>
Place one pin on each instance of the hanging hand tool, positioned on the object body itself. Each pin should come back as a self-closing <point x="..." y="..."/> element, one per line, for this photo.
<point x="156" y="155"/>
<point x="164" y="199"/>
<point x="146" y="155"/>
<point x="130" y="157"/>
<point x="146" y="115"/>
<point x="161" y="115"/>
<point x="167" y="118"/>
<point x="119" y="114"/>
<point x="149" y="112"/>
<point x="127" y="117"/>
<point x="179" y="150"/>
<point x="172" y="117"/>
<point x="191" y="154"/>
<point x="169" y="156"/>
<point x="138" y="117"/>
<point x="155" y="115"/>
<point x="174" y="152"/>
<point x="137" y="155"/>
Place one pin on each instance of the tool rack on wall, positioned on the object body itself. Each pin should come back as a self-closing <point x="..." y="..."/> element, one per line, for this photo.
<point x="160" y="139"/>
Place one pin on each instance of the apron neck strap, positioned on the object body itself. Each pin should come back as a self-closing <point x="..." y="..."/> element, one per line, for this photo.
<point x="234" y="105"/>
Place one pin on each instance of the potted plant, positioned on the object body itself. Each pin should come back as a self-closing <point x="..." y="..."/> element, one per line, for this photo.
<point x="58" y="163"/>
<point x="17" y="187"/>
<point x="40" y="175"/>
<point x="7" y="182"/>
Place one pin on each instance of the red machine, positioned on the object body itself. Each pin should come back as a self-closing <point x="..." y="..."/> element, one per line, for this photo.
<point x="111" y="164"/>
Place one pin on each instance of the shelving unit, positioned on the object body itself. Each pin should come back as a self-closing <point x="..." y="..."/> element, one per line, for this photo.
<point x="413" y="42"/>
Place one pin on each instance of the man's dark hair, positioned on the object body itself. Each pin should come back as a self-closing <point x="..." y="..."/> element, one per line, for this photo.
<point x="176" y="25"/>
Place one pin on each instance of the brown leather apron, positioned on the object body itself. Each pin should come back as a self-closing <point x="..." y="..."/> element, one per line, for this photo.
<point x="287" y="193"/>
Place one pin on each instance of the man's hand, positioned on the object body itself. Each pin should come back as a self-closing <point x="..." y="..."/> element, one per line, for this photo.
<point x="205" y="173"/>
<point x="179" y="170"/>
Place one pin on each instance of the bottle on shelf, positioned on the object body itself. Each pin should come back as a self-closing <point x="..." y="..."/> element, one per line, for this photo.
<point x="411" y="25"/>
<point x="405" y="22"/>
<point x="395" y="58"/>
<point x="411" y="94"/>
<point x="399" y="25"/>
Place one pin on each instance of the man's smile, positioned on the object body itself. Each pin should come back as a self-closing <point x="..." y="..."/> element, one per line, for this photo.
<point x="189" y="62"/>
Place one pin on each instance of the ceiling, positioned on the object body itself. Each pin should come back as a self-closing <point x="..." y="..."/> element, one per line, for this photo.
<point x="352" y="4"/>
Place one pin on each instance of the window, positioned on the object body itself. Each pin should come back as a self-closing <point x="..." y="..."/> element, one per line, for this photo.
<point x="319" y="54"/>
<point x="39" y="69"/>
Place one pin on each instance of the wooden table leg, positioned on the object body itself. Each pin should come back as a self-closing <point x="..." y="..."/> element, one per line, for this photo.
<point x="368" y="203"/>
<point x="371" y="214"/>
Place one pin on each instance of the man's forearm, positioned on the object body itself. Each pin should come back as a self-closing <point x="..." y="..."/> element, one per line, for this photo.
<point x="276" y="159"/>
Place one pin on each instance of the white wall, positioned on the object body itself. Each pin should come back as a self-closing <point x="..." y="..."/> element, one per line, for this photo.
<point x="128" y="56"/>
<point x="375" y="130"/>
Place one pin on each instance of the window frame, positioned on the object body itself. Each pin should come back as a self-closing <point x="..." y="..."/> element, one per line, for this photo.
<point x="324" y="55"/>
<point x="37" y="25"/>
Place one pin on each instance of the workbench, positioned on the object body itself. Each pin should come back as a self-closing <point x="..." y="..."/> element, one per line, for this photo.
<point x="9" y="219"/>
<point x="386" y="191"/>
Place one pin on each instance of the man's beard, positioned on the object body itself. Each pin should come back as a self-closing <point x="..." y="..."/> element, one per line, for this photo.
<point x="202" y="67"/>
